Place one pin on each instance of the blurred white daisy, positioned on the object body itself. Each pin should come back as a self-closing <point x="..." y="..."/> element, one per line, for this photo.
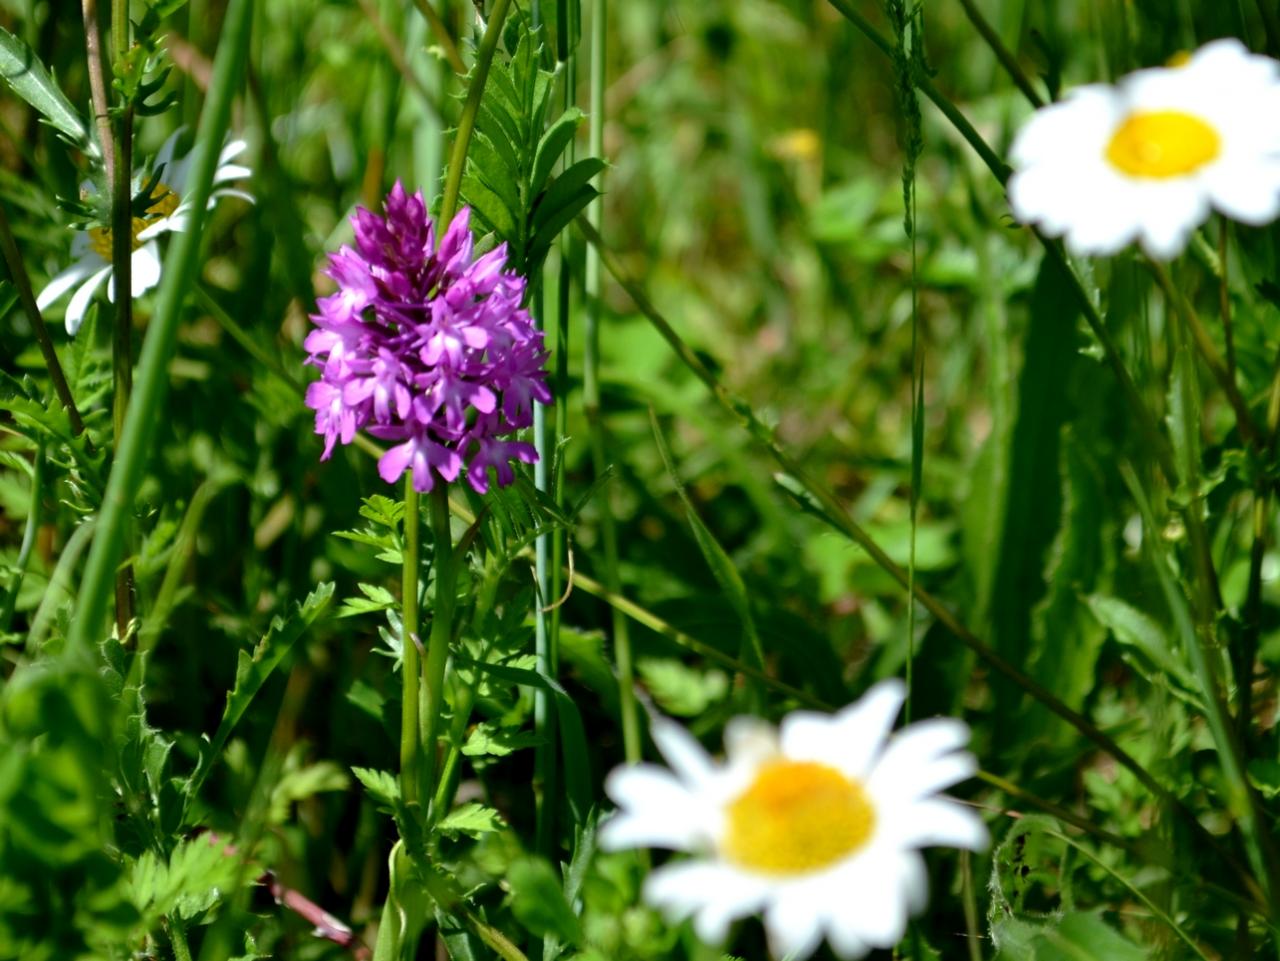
<point x="1146" y="159"/>
<point x="169" y="212"/>
<point x="818" y="824"/>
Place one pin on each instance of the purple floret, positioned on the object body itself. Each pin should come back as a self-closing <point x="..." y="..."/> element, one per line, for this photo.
<point x="428" y="349"/>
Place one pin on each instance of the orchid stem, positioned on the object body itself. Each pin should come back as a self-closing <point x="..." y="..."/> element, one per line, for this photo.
<point x="444" y="568"/>
<point x="410" y="746"/>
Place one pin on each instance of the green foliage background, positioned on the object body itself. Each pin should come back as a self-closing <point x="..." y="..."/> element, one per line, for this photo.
<point x="755" y="190"/>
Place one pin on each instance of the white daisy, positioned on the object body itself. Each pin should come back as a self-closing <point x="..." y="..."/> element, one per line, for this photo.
<point x="91" y="248"/>
<point x="818" y="824"/>
<point x="1146" y="159"/>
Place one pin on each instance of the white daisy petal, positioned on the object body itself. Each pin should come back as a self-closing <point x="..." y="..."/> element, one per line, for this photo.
<point x="654" y="811"/>
<point x="712" y="894"/>
<point x="793" y="928"/>
<point x="233" y="149"/>
<point x="918" y="761"/>
<point x="231" y="172"/>
<point x="875" y="909"/>
<point x="863" y="726"/>
<point x="67" y="279"/>
<point x="939" y="821"/>
<point x="681" y="750"/>
<point x="80" y="299"/>
<point x="145" y="272"/>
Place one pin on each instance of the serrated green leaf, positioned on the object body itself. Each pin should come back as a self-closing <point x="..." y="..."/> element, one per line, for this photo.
<point x="375" y="599"/>
<point x="472" y="819"/>
<point x="381" y="785"/>
<point x="553" y="143"/>
<point x="538" y="901"/>
<point x="195" y="876"/>
<point x="253" y="670"/>
<point x="31" y="81"/>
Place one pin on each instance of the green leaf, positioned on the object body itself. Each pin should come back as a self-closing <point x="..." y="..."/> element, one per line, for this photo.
<point x="472" y="819"/>
<point x="564" y="191"/>
<point x="679" y="689"/>
<point x="538" y="901"/>
<point x="197" y="873"/>
<point x="252" y="673"/>
<point x="382" y="786"/>
<point x="375" y="599"/>
<point x="31" y="81"/>
<point x="490" y="739"/>
<point x="491" y="209"/>
<point x="1079" y="936"/>
<point x="553" y="143"/>
<point x="1133" y="628"/>
<point x="490" y="168"/>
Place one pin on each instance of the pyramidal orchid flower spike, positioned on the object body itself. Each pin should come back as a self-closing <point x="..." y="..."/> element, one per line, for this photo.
<point x="429" y="349"/>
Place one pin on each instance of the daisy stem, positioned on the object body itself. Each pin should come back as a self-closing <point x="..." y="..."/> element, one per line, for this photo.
<point x="444" y="567"/>
<point x="18" y="275"/>
<point x="147" y="401"/>
<point x="410" y="744"/>
<point x="594" y="281"/>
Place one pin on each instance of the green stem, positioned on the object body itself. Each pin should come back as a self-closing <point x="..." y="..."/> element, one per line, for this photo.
<point x="151" y="384"/>
<point x="1003" y="54"/>
<point x="21" y="280"/>
<point x="122" y="278"/>
<point x="444" y="566"/>
<point x="410" y="744"/>
<point x="594" y="284"/>
<point x="467" y="121"/>
<point x="178" y="939"/>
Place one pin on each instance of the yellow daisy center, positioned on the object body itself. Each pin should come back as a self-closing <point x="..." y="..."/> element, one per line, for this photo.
<point x="797" y="817"/>
<point x="1160" y="144"/>
<point x="165" y="203"/>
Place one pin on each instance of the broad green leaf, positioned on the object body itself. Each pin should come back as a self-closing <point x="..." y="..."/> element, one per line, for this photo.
<point x="197" y="873"/>
<point x="1133" y="628"/>
<point x="489" y="208"/>
<point x="1033" y="508"/>
<point x="489" y="168"/>
<point x="553" y="143"/>
<point x="538" y="901"/>
<point x="565" y="191"/>
<point x="471" y="819"/>
<point x="31" y="81"/>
